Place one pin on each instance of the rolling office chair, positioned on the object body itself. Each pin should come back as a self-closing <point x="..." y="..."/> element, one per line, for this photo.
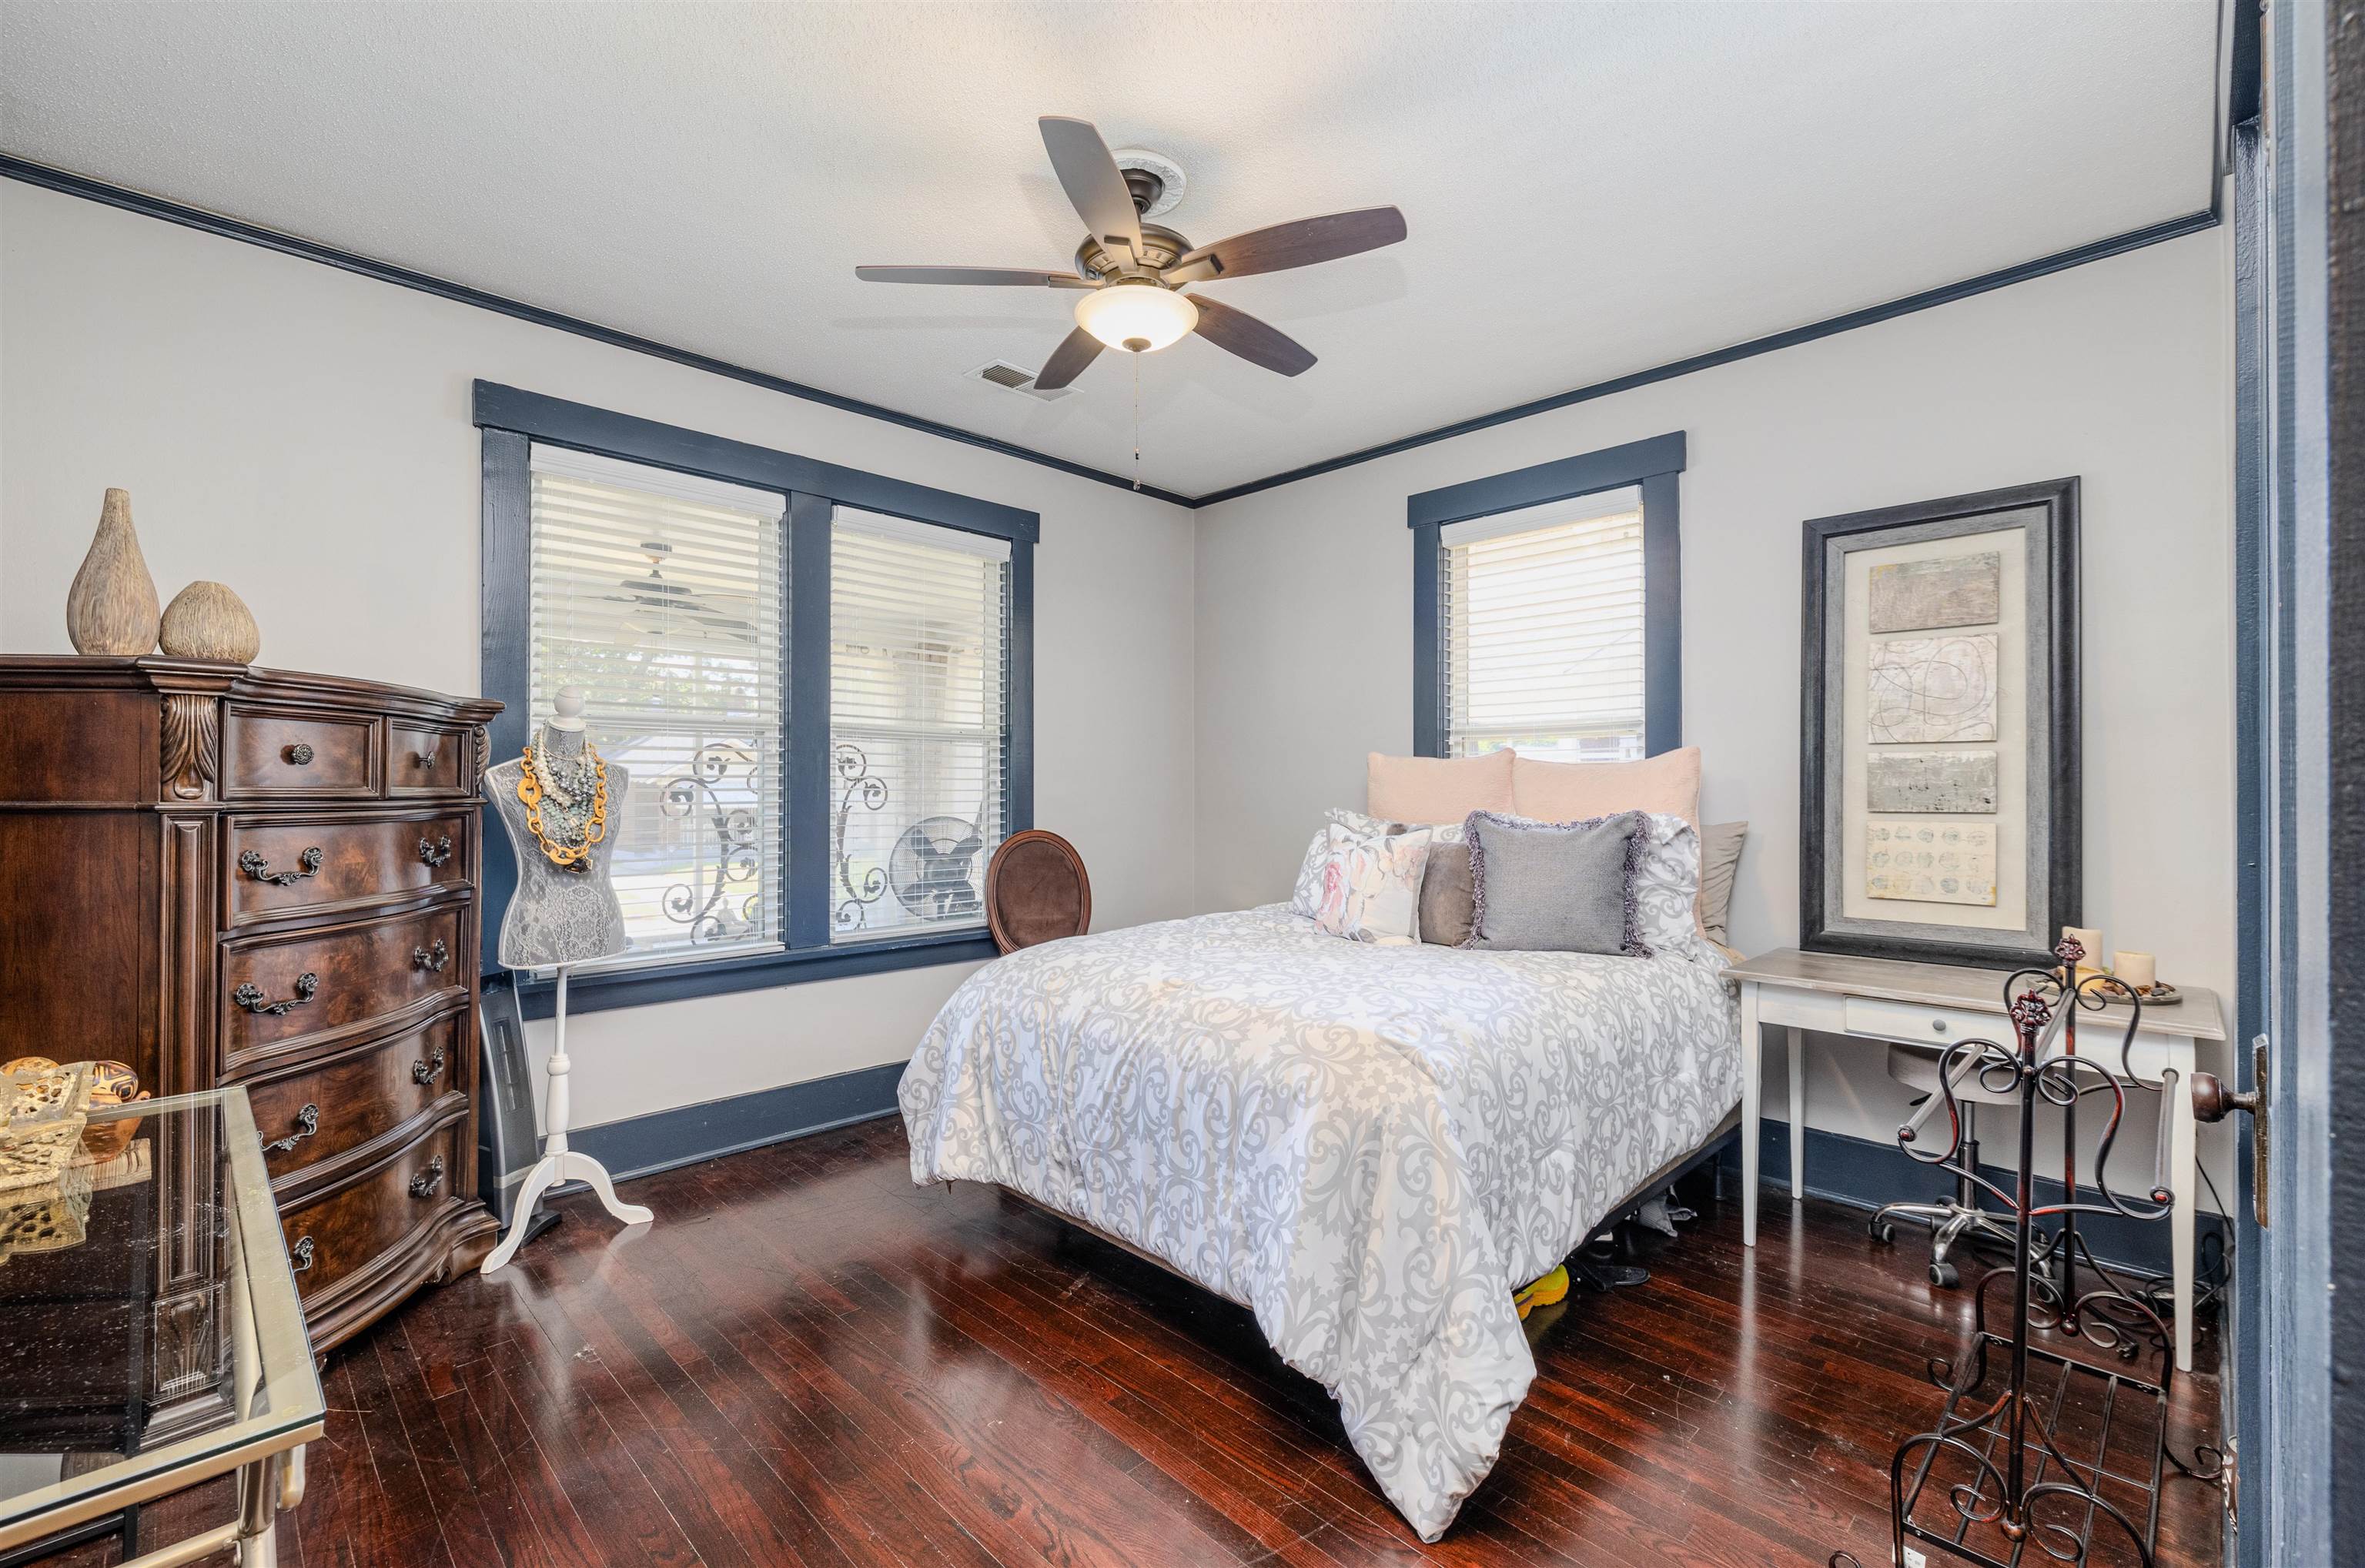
<point x="1960" y="1220"/>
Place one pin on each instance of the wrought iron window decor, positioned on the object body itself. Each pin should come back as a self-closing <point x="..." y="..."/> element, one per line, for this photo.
<point x="932" y="868"/>
<point x="1998" y="1473"/>
<point x="721" y="901"/>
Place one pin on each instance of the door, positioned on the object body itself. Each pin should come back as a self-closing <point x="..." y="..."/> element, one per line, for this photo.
<point x="2298" y="835"/>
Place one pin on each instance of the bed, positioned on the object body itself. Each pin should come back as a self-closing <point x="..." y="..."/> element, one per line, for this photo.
<point x="1369" y="1146"/>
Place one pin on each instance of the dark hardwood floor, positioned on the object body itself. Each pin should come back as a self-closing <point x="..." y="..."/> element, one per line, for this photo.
<point x="809" y="1360"/>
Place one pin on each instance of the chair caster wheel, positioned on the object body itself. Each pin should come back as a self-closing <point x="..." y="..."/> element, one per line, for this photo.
<point x="1944" y="1276"/>
<point x="1883" y="1232"/>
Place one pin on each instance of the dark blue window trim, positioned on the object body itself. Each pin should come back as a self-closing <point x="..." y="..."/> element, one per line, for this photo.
<point x="1652" y="465"/>
<point x="511" y="420"/>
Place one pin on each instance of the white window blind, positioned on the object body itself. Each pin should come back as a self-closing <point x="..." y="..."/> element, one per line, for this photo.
<point x="1541" y="621"/>
<point x="919" y="634"/>
<point x="659" y="594"/>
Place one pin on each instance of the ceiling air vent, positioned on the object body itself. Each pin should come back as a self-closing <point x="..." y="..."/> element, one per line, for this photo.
<point x="1018" y="379"/>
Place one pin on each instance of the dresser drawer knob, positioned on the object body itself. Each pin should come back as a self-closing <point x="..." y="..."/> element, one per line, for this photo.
<point x="307" y="1122"/>
<point x="299" y="754"/>
<point x="423" y="1185"/>
<point x="423" y="759"/>
<point x="299" y="1256"/>
<point x="429" y="1070"/>
<point x="252" y="863"/>
<point x="437" y="957"/>
<point x="249" y="996"/>
<point x="1937" y="1026"/>
<point x="434" y="851"/>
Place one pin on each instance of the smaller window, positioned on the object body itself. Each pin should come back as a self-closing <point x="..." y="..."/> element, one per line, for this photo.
<point x="1540" y="619"/>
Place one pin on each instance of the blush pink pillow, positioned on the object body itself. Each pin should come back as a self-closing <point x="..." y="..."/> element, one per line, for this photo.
<point x="1438" y="790"/>
<point x="1569" y="791"/>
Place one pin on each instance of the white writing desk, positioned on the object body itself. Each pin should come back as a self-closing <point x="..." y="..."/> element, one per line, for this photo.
<point x="1882" y="1000"/>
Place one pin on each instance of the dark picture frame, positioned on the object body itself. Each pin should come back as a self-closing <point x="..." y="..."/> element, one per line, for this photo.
<point x="2050" y="866"/>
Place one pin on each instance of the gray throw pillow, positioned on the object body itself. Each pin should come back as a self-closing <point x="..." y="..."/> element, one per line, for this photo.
<point x="1720" y="858"/>
<point x="1447" y="896"/>
<point x="1556" y="887"/>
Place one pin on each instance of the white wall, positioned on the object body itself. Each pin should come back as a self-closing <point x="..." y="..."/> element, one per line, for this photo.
<point x="303" y="435"/>
<point x="2114" y="370"/>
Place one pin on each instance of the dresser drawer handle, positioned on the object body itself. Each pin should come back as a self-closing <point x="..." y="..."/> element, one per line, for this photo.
<point x="252" y="863"/>
<point x="307" y="1122"/>
<point x="428" y="1071"/>
<point x="299" y="754"/>
<point x="299" y="1256"/>
<point x="423" y="1185"/>
<point x="435" y="851"/>
<point x="249" y="996"/>
<point x="436" y="959"/>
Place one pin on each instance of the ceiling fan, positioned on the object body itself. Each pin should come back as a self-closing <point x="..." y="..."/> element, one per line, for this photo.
<point x="1133" y="272"/>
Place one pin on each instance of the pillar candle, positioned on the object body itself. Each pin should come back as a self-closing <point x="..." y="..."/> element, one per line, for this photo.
<point x="2089" y="937"/>
<point x="2140" y="970"/>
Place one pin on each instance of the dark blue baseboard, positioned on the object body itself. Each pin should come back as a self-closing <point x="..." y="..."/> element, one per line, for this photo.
<point x="1863" y="1174"/>
<point x="641" y="1146"/>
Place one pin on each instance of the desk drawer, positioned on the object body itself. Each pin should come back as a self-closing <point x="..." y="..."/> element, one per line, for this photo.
<point x="1922" y="1025"/>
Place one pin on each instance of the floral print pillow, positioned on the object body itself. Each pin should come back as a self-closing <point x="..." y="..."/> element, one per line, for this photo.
<point x="1370" y="886"/>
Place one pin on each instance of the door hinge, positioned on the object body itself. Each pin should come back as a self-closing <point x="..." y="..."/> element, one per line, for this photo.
<point x="2213" y="1102"/>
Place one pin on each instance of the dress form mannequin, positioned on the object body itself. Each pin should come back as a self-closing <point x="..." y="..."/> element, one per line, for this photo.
<point x="561" y="915"/>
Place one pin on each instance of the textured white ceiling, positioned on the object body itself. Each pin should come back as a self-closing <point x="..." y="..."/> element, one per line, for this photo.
<point x="1592" y="189"/>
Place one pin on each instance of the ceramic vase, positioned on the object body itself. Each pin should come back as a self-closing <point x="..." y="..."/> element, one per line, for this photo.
<point x="111" y="609"/>
<point x="207" y="621"/>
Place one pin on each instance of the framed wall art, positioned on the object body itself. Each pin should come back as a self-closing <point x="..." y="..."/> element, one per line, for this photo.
<point x="1939" y="789"/>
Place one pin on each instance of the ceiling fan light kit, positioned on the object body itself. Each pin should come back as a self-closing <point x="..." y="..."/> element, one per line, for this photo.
<point x="1140" y="317"/>
<point x="1133" y="272"/>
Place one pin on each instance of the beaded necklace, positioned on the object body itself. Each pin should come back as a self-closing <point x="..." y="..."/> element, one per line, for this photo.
<point x="572" y="797"/>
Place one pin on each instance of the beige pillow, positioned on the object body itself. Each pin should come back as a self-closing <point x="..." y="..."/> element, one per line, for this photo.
<point x="1569" y="791"/>
<point x="1441" y="789"/>
<point x="1720" y="858"/>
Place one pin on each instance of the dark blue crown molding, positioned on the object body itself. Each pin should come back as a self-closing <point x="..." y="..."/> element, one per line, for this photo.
<point x="15" y="168"/>
<point x="32" y="174"/>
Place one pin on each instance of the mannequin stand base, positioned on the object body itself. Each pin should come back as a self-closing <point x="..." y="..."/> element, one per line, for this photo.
<point x="541" y="1221"/>
<point x="566" y="1165"/>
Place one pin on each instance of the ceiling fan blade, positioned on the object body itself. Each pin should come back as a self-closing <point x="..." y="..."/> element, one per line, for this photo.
<point x="1241" y="333"/>
<point x="1007" y="278"/>
<point x="1286" y="245"/>
<point x="1092" y="180"/>
<point x="1076" y="351"/>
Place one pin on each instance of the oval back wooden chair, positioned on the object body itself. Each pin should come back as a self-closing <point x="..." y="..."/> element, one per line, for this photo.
<point x="1035" y="890"/>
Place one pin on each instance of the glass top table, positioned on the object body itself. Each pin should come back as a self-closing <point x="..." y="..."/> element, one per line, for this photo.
<point x="149" y="1333"/>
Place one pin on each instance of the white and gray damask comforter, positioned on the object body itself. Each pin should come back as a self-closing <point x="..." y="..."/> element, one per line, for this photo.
<point x="1372" y="1147"/>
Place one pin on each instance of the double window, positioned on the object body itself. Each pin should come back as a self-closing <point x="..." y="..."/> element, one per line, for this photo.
<point x="815" y="681"/>
<point x="1547" y="610"/>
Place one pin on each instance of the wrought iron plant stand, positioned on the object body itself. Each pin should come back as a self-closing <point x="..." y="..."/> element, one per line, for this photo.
<point x="2039" y="1465"/>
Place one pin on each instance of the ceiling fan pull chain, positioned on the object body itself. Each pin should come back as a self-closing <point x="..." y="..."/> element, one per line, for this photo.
<point x="1137" y="422"/>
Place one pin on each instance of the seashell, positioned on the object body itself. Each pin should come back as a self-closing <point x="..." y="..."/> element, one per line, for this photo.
<point x="27" y="1064"/>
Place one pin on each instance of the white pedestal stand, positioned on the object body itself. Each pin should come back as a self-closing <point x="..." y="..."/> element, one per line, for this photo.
<point x="558" y="1162"/>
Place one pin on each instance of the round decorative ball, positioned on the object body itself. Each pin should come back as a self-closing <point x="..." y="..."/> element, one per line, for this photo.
<point x="207" y="621"/>
<point x="113" y="1081"/>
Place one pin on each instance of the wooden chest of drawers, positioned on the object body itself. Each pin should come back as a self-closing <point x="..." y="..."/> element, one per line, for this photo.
<point x="220" y="874"/>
